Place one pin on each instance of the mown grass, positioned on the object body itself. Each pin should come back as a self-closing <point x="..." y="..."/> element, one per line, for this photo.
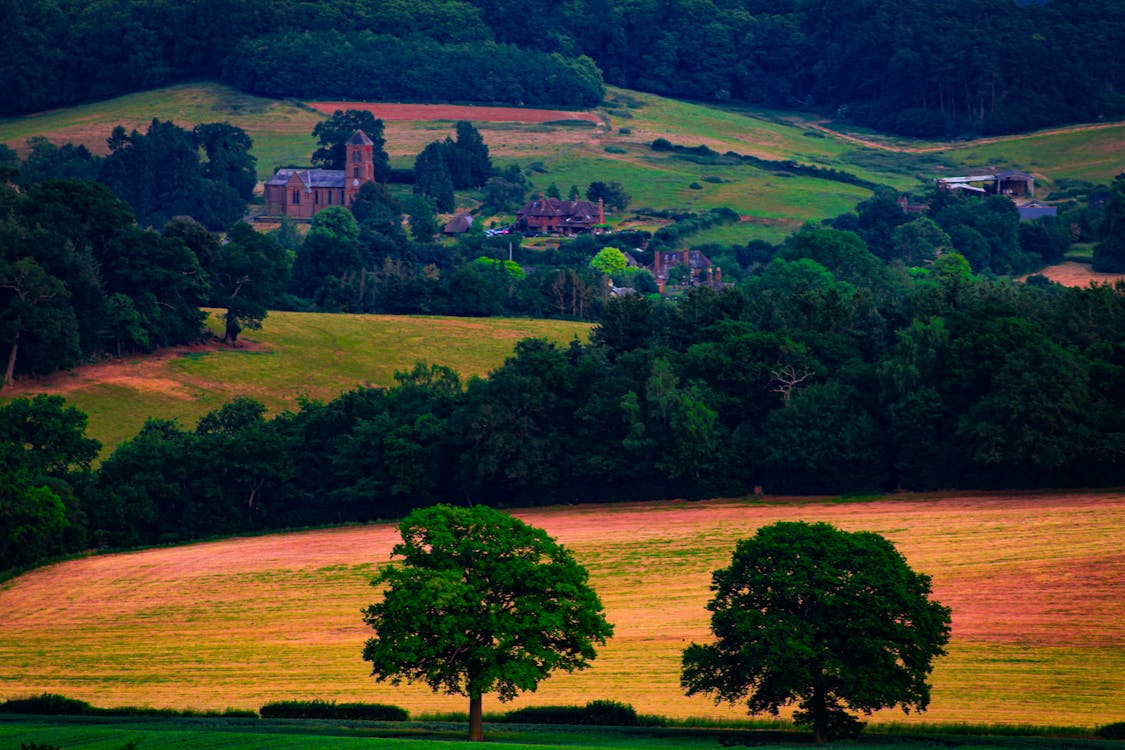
<point x="1034" y="582"/>
<point x="293" y="356"/>
<point x="253" y="734"/>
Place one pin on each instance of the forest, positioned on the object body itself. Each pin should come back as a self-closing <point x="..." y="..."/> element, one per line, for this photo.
<point x="824" y="370"/>
<point x="936" y="69"/>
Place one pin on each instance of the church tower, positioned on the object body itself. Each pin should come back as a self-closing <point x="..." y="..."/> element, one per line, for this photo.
<point x="360" y="166"/>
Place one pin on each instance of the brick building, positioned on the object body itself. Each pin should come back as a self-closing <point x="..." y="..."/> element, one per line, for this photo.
<point x="300" y="193"/>
<point x="554" y="216"/>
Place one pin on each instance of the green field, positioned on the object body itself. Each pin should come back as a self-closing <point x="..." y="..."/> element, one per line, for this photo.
<point x="253" y="734"/>
<point x="774" y="204"/>
<point x="293" y="356"/>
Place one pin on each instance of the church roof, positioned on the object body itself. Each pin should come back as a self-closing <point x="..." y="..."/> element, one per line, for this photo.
<point x="359" y="138"/>
<point x="310" y="178"/>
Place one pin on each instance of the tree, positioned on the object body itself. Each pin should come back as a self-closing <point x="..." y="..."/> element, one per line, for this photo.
<point x="432" y="178"/>
<point x="1109" y="254"/>
<point x="830" y="619"/>
<point x="482" y="602"/>
<point x="247" y="275"/>
<point x="612" y="193"/>
<point x="228" y="156"/>
<point x="332" y="135"/>
<point x="609" y="261"/>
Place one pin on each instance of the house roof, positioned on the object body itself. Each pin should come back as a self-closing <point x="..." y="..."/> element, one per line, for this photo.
<point x="1035" y="210"/>
<point x="569" y="211"/>
<point x="359" y="138"/>
<point x="458" y="224"/>
<point x="310" y="178"/>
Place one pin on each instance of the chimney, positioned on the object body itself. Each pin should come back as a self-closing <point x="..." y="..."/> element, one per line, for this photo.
<point x="710" y="276"/>
<point x="656" y="268"/>
<point x="719" y="275"/>
<point x="601" y="211"/>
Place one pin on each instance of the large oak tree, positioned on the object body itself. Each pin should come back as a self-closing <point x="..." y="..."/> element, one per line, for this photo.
<point x="481" y="603"/>
<point x="831" y="620"/>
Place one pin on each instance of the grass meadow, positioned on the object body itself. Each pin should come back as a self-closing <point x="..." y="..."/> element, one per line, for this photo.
<point x="293" y="356"/>
<point x="1035" y="582"/>
<point x="255" y="734"/>
<point x="567" y="153"/>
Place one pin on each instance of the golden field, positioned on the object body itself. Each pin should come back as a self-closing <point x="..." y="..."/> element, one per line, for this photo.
<point x="1036" y="583"/>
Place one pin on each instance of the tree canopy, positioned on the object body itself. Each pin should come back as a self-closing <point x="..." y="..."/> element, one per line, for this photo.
<point x="830" y="620"/>
<point x="481" y="603"/>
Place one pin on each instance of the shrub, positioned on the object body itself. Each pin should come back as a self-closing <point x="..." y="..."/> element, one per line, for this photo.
<point x="47" y="704"/>
<point x="615" y="150"/>
<point x="695" y="186"/>
<point x="595" y="713"/>
<point x="1115" y="731"/>
<point x="318" y="709"/>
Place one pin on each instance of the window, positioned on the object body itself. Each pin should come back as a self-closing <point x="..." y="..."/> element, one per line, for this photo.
<point x="355" y="156"/>
<point x="296" y="197"/>
<point x="355" y="172"/>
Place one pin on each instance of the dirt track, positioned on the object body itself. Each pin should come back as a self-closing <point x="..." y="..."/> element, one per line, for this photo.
<point x="410" y="112"/>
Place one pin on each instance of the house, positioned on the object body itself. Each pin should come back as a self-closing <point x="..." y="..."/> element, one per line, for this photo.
<point x="301" y="193"/>
<point x="701" y="272"/>
<point x="555" y="216"/>
<point x="459" y="224"/>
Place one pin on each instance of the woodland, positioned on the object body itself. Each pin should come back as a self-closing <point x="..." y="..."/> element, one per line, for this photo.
<point x="933" y="69"/>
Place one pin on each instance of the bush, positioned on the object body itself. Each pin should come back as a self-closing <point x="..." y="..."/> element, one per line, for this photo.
<point x="1114" y="731"/>
<point x="47" y="704"/>
<point x="595" y="713"/>
<point x="318" y="709"/>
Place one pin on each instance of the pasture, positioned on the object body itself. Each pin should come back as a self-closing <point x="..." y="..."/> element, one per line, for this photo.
<point x="293" y="356"/>
<point x="1036" y="584"/>
<point x="613" y="143"/>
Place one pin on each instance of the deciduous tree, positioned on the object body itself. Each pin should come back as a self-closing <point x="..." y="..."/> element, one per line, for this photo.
<point x="832" y="620"/>
<point x="481" y="603"/>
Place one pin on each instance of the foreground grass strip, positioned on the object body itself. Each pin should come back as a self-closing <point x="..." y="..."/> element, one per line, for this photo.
<point x="249" y="734"/>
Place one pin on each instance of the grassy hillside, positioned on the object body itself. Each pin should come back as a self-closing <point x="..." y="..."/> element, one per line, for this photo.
<point x="1035" y="584"/>
<point x="773" y="203"/>
<point x="294" y="355"/>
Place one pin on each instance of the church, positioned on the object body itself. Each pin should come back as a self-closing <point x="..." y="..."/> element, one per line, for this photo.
<point x="301" y="193"/>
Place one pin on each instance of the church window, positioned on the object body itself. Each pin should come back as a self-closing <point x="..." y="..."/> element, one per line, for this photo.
<point x="355" y="172"/>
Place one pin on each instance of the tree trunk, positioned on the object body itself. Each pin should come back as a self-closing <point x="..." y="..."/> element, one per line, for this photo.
<point x="476" y="720"/>
<point x="10" y="371"/>
<point x="820" y="715"/>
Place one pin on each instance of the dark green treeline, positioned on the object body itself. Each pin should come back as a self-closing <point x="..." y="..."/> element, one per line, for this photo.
<point x="934" y="68"/>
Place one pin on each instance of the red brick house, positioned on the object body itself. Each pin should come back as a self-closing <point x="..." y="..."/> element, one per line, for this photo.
<point x="554" y="216"/>
<point x="300" y="193"/>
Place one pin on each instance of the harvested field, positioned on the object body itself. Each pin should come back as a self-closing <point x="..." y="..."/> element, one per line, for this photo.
<point x="1073" y="273"/>
<point x="412" y="112"/>
<point x="1036" y="584"/>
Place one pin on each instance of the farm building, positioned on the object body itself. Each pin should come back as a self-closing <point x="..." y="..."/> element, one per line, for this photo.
<point x="459" y="224"/>
<point x="554" y="216"/>
<point x="301" y="193"/>
<point x="1011" y="183"/>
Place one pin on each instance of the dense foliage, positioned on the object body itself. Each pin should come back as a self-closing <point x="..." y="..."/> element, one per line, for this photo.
<point x="481" y="603"/>
<point x="79" y="278"/>
<point x="916" y="68"/>
<point x="831" y="620"/>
